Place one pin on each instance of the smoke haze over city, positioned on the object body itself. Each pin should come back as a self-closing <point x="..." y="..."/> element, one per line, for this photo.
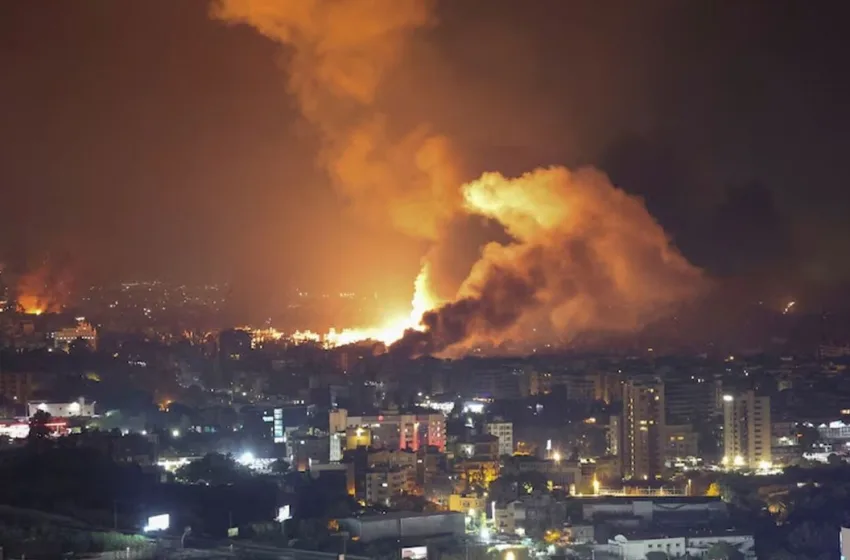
<point x="322" y="146"/>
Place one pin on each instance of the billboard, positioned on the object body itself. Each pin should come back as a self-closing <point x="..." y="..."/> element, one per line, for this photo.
<point x="284" y="513"/>
<point x="414" y="553"/>
<point x="158" y="523"/>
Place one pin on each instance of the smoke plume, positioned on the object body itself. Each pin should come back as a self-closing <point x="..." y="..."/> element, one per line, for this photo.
<point x="342" y="52"/>
<point x="584" y="257"/>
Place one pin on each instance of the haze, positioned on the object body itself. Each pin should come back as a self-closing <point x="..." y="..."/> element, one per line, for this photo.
<point x="150" y="140"/>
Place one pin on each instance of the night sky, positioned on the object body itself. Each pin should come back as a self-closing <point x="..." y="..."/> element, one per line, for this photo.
<point x="143" y="139"/>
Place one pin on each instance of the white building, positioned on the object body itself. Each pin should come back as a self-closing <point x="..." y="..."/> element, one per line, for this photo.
<point x="62" y="410"/>
<point x="674" y="547"/>
<point x="505" y="432"/>
<point x="746" y="431"/>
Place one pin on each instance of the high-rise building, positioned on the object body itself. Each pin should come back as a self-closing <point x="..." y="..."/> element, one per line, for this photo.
<point x="746" y="430"/>
<point x="691" y="399"/>
<point x="505" y="432"/>
<point x="642" y="445"/>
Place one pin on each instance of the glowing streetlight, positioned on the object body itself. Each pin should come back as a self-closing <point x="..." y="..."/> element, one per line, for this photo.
<point x="175" y="433"/>
<point x="509" y="555"/>
<point x="246" y="458"/>
<point x="556" y="456"/>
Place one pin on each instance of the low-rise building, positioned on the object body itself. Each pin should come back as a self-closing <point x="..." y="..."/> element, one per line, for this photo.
<point x="506" y="517"/>
<point x="481" y="447"/>
<point x="306" y="449"/>
<point x="62" y="409"/>
<point x="404" y="525"/>
<point x="504" y="431"/>
<point x="667" y="512"/>
<point x="64" y="338"/>
<point x="382" y="485"/>
<point x="466" y="503"/>
<point x="638" y="546"/>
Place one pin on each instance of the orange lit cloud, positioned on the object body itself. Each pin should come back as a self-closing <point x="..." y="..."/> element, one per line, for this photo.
<point x="342" y="51"/>
<point x="42" y="290"/>
<point x="584" y="256"/>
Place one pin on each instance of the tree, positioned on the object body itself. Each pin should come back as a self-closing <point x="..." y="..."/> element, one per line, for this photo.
<point x="724" y="551"/>
<point x="39" y="429"/>
<point x="213" y="468"/>
<point x="807" y="436"/>
<point x="280" y="466"/>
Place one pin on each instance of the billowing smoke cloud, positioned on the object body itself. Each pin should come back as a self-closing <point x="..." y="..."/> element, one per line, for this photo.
<point x="585" y="257"/>
<point x="342" y="52"/>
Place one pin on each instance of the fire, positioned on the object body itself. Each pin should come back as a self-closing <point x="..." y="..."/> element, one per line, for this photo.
<point x="388" y="332"/>
<point x="43" y="289"/>
<point x="31" y="304"/>
<point x="583" y="255"/>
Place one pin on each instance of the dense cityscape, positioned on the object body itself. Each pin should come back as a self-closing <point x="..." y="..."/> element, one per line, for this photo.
<point x="248" y="439"/>
<point x="424" y="280"/>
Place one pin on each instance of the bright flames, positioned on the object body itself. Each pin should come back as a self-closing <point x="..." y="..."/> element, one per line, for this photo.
<point x="31" y="305"/>
<point x="387" y="333"/>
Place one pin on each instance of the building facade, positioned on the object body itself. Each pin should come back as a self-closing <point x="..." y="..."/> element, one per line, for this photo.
<point x="505" y="432"/>
<point x="62" y="410"/>
<point x="746" y="431"/>
<point x="642" y="445"/>
<point x="400" y="431"/>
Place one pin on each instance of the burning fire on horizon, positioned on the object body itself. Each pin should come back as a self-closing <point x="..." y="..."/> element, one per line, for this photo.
<point x="42" y="290"/>
<point x="582" y="255"/>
